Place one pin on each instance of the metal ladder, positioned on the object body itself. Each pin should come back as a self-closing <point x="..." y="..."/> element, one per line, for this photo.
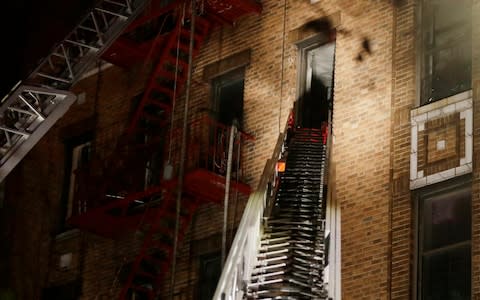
<point x="292" y="251"/>
<point x="33" y="106"/>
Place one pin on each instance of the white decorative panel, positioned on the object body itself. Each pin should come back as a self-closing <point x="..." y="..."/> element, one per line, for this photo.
<point x="441" y="140"/>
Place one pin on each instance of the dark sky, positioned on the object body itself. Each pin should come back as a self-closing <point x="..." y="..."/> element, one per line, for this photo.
<point x="29" y="29"/>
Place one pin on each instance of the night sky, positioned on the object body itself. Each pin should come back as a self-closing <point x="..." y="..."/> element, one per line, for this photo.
<point x="29" y="29"/>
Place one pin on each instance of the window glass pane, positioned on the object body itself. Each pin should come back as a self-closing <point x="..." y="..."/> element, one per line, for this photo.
<point x="446" y="220"/>
<point x="450" y="21"/>
<point x="447" y="53"/>
<point x="446" y="275"/>
<point x="451" y="71"/>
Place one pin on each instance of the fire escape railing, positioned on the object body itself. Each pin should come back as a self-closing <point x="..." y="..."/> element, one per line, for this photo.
<point x="208" y="146"/>
<point x="207" y="142"/>
<point x="242" y="257"/>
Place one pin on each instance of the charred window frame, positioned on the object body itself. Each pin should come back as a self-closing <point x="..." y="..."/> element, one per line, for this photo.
<point x="446" y="49"/>
<point x="315" y="81"/>
<point x="444" y="241"/>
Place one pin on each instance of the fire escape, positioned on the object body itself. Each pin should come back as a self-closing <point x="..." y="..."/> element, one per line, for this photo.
<point x="134" y="189"/>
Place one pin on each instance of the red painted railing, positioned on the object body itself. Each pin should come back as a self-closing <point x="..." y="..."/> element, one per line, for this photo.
<point x="207" y="149"/>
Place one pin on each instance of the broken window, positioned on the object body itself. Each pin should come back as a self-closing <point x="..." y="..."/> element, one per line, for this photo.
<point x="446" y="49"/>
<point x="316" y="90"/>
<point x="444" y="267"/>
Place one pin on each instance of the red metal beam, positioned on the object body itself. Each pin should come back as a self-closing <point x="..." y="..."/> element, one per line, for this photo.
<point x="153" y="13"/>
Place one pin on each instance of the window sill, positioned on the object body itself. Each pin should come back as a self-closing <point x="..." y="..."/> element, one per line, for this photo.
<point x="423" y="108"/>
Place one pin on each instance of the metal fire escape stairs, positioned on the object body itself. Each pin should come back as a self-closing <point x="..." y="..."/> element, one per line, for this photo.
<point x="34" y="105"/>
<point x="279" y="249"/>
<point x="120" y="186"/>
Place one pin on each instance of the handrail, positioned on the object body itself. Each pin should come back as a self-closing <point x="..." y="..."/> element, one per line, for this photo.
<point x="242" y="257"/>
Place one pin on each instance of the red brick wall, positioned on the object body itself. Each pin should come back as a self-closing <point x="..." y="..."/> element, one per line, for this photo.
<point x="403" y="100"/>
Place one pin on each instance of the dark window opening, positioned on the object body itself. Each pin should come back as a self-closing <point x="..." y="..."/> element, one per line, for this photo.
<point x="446" y="49"/>
<point x="209" y="274"/>
<point x="315" y="102"/>
<point x="227" y="109"/>
<point x="444" y="245"/>
<point x="69" y="291"/>
<point x="228" y="97"/>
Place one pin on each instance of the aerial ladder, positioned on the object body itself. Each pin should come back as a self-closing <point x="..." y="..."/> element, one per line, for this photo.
<point x="279" y="251"/>
<point x="35" y="104"/>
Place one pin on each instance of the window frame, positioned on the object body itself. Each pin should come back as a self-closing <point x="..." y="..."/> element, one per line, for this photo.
<point x="421" y="51"/>
<point x="68" y="190"/>
<point x="237" y="74"/>
<point x="303" y="49"/>
<point x="457" y="186"/>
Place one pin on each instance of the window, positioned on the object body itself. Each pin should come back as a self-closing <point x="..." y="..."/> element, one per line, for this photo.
<point x="446" y="49"/>
<point x="228" y="97"/>
<point x="444" y="266"/>
<point x="227" y="109"/>
<point x="77" y="155"/>
<point x="316" y="87"/>
<point x="209" y="274"/>
<point x="68" y="291"/>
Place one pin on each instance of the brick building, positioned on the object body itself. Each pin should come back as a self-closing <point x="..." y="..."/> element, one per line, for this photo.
<point x="82" y="211"/>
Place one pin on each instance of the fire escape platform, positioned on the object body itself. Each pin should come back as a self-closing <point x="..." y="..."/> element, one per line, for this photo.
<point x="125" y="215"/>
<point x="127" y="52"/>
<point x="209" y="185"/>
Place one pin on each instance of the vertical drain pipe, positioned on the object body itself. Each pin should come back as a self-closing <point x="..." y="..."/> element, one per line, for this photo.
<point x="181" y="171"/>
<point x="233" y="132"/>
